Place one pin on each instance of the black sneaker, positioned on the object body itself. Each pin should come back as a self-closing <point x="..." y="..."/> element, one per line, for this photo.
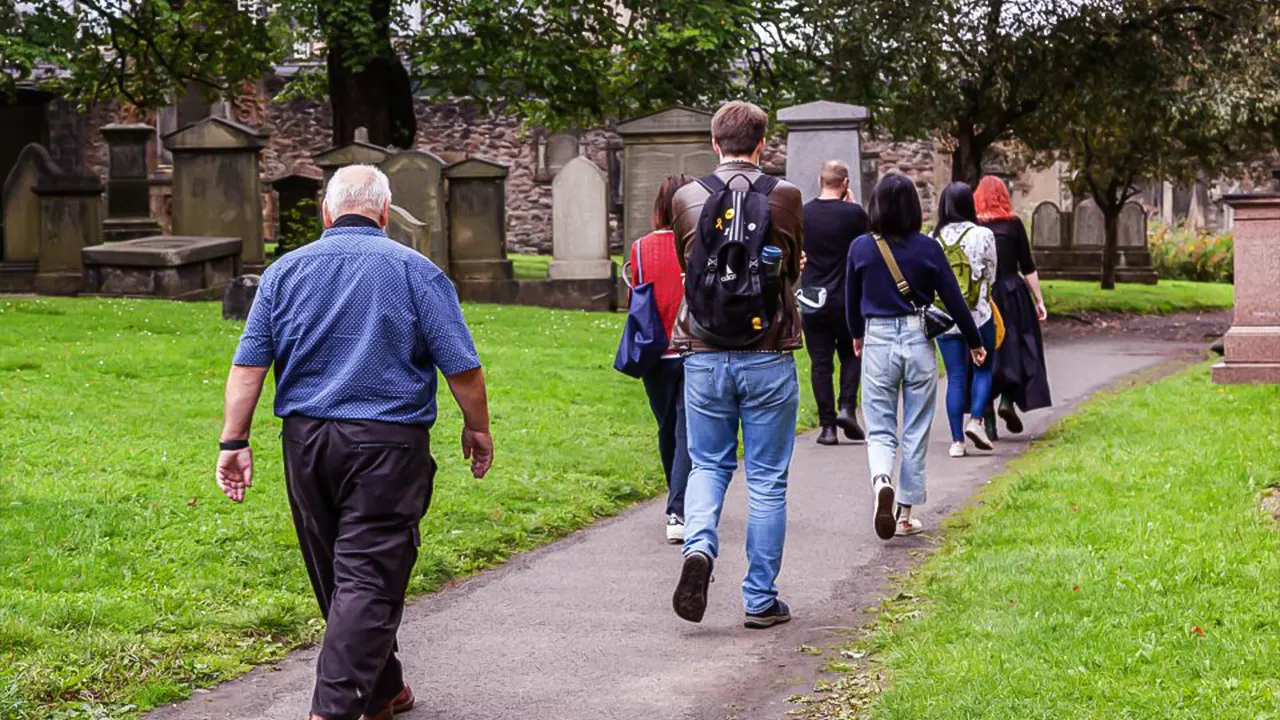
<point x="1009" y="414"/>
<point x="989" y="424"/>
<point x="777" y="614"/>
<point x="884" y="519"/>
<point x="847" y="421"/>
<point x="690" y="599"/>
<point x="828" y="437"/>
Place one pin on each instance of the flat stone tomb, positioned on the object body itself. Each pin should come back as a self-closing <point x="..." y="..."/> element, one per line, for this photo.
<point x="172" y="267"/>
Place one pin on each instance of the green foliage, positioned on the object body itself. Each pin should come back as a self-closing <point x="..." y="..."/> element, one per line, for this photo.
<point x="299" y="225"/>
<point x="1184" y="253"/>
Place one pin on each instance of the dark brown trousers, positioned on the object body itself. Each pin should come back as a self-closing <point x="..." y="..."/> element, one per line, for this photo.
<point x="357" y="491"/>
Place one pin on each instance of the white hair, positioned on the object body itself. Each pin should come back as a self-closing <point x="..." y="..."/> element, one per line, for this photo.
<point x="359" y="189"/>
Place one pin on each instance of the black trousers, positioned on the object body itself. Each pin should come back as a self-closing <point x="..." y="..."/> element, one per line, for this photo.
<point x="665" y="387"/>
<point x="357" y="491"/>
<point x="827" y="336"/>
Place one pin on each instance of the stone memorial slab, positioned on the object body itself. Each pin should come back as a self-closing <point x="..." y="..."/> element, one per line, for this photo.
<point x="20" y="207"/>
<point x="1046" y="227"/>
<point x="417" y="185"/>
<point x="1133" y="226"/>
<point x="128" y="184"/>
<point x="216" y="186"/>
<point x="173" y="266"/>
<point x="580" y="223"/>
<point x="407" y="230"/>
<point x="238" y="299"/>
<point x="25" y="119"/>
<point x="676" y="140"/>
<point x="354" y="153"/>
<point x="1090" y="226"/>
<point x="70" y="221"/>
<point x="478" y="221"/>
<point x="818" y="132"/>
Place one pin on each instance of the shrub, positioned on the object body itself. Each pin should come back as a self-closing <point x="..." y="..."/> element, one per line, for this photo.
<point x="1182" y="253"/>
<point x="300" y="225"/>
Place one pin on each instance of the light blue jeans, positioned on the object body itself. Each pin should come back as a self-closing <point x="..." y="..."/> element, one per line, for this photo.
<point x="760" y="392"/>
<point x="898" y="357"/>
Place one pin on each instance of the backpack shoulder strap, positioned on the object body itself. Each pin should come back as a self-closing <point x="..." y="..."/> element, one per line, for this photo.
<point x="764" y="184"/>
<point x="712" y="183"/>
<point x="903" y="286"/>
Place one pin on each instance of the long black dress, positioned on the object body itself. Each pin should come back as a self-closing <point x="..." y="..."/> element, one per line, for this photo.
<point x="1020" y="368"/>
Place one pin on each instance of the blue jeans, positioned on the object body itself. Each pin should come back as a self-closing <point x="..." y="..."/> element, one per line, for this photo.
<point x="898" y="357"/>
<point x="955" y="356"/>
<point x="761" y="392"/>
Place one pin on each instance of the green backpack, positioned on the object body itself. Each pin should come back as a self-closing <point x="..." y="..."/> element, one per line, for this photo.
<point x="963" y="269"/>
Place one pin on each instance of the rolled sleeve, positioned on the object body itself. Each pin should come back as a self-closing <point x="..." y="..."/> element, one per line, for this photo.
<point x="255" y="348"/>
<point x="442" y="328"/>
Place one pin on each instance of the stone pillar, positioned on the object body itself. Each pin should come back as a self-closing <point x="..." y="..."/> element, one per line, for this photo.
<point x="818" y="132"/>
<point x="216" y="186"/>
<point x="128" y="185"/>
<point x="1252" y="346"/>
<point x="70" y="221"/>
<point x="478" y="221"/>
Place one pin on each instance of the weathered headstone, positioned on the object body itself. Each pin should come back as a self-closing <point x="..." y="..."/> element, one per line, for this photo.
<point x="25" y="120"/>
<point x="417" y="185"/>
<point x="677" y="140"/>
<point x="354" y="153"/>
<point x="19" y="205"/>
<point x="216" y="186"/>
<point x="1252" y="345"/>
<point x="174" y="267"/>
<point x="237" y="301"/>
<point x="478" y="221"/>
<point x="1090" y="226"/>
<point x="818" y="132"/>
<point x="1046" y="226"/>
<point x="298" y="210"/>
<point x="580" y="223"/>
<point x="70" y="221"/>
<point x="1133" y="226"/>
<point x="128" y="187"/>
<point x="409" y="231"/>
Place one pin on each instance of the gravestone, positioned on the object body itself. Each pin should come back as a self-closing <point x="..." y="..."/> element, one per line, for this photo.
<point x="237" y="301"/>
<point x="1046" y="227"/>
<point x="20" y="207"/>
<point x="173" y="267"/>
<point x="298" y="210"/>
<point x="1252" y="345"/>
<point x="216" y="186"/>
<point x="70" y="221"/>
<point x="409" y="231"/>
<point x="580" y="223"/>
<point x="25" y="119"/>
<point x="478" y="221"/>
<point x="1090" y="226"/>
<point x="128" y="184"/>
<point x="417" y="185"/>
<point x="818" y="132"/>
<point x="1133" y="226"/>
<point x="676" y="140"/>
<point x="357" y="152"/>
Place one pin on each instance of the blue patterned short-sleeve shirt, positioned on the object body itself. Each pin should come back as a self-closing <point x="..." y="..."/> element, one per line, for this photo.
<point x="356" y="325"/>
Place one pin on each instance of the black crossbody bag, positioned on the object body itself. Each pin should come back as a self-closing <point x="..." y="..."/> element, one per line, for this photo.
<point x="934" y="319"/>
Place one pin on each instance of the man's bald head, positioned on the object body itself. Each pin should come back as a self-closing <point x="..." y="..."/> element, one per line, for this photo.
<point x="357" y="190"/>
<point x="835" y="173"/>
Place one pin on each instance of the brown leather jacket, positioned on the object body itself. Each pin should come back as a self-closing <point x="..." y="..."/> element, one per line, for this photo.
<point x="786" y="213"/>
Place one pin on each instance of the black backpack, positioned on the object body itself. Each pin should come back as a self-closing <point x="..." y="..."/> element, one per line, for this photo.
<point x="730" y="299"/>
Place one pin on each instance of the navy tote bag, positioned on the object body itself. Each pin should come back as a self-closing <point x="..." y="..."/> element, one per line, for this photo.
<point x="644" y="340"/>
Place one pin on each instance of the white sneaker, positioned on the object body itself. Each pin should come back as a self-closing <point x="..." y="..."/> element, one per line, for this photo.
<point x="977" y="432"/>
<point x="958" y="450"/>
<point x="909" y="526"/>
<point x="675" y="530"/>
<point x="883" y="517"/>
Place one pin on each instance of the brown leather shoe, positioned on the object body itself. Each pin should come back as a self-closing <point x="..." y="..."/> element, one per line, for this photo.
<point x="401" y="703"/>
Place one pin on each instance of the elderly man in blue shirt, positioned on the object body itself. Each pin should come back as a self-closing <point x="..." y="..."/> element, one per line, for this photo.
<point x="356" y="326"/>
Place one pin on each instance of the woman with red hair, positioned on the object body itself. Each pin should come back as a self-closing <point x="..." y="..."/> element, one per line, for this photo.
<point x="1021" y="380"/>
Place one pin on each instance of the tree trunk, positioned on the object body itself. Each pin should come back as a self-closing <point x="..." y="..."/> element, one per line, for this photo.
<point x="966" y="161"/>
<point x="377" y="96"/>
<point x="1111" y="244"/>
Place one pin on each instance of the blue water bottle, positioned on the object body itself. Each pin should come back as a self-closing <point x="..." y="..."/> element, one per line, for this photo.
<point x="771" y="257"/>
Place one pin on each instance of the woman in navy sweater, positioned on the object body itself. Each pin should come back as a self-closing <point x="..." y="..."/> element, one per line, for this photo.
<point x="896" y="354"/>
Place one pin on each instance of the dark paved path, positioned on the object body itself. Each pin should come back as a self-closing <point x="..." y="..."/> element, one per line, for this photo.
<point x="584" y="629"/>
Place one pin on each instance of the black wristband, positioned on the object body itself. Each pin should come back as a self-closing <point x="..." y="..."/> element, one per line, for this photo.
<point x="233" y="444"/>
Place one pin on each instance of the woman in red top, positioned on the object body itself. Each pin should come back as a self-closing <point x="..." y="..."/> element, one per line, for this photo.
<point x="653" y="260"/>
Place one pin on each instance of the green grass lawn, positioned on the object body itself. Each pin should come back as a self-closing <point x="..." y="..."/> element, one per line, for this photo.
<point x="1122" y="570"/>
<point x="1169" y="296"/>
<point x="534" y="267"/>
<point x="125" y="577"/>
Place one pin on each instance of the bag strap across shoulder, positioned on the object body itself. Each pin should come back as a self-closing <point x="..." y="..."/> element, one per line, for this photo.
<point x="903" y="286"/>
<point x="764" y="184"/>
<point x="639" y="262"/>
<point x="712" y="183"/>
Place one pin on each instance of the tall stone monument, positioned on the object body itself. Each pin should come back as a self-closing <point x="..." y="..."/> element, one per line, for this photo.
<point x="478" y="221"/>
<point x="676" y="140"/>
<point x="818" y="132"/>
<point x="580" y="223"/>
<point x="1252" y="346"/>
<point x="128" y="184"/>
<point x="70" y="221"/>
<point x="216" y="186"/>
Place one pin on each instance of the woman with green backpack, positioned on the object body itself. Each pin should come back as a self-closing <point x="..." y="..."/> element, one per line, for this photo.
<point x="971" y="252"/>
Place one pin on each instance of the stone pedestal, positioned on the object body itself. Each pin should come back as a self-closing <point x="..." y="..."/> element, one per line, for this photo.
<point x="478" y="221"/>
<point x="1253" y="344"/>
<point x="172" y="267"/>
<point x="818" y="132"/>
<point x="580" y="223"/>
<point x="70" y="221"/>
<point x="128" y="184"/>
<point x="216" y="186"/>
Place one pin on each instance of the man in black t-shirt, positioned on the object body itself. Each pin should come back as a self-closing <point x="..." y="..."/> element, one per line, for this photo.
<point x="832" y="221"/>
